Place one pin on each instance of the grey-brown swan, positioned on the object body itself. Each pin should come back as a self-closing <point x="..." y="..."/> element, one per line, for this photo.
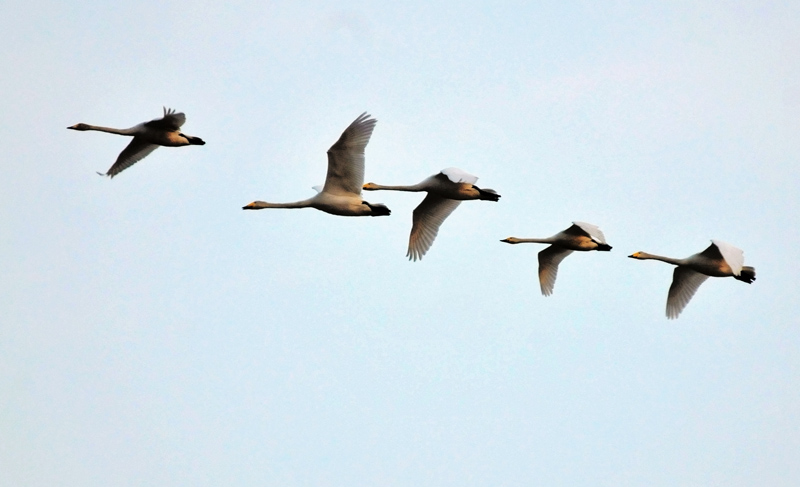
<point x="580" y="236"/>
<point x="446" y="191"/>
<point x="720" y="259"/>
<point x="341" y="194"/>
<point x="147" y="137"/>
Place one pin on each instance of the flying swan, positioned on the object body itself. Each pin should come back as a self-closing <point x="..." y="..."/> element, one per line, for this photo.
<point x="341" y="194"/>
<point x="147" y="137"/>
<point x="720" y="259"/>
<point x="580" y="236"/>
<point x="445" y="191"/>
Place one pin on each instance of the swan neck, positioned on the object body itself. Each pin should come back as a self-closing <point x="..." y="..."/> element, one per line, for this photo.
<point x="535" y="240"/>
<point x="111" y="130"/>
<point x="668" y="260"/>
<point x="412" y="188"/>
<point x="294" y="204"/>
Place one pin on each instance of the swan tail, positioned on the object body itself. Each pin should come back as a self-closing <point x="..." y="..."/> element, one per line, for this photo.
<point x="747" y="275"/>
<point x="487" y="194"/>
<point x="377" y="209"/>
<point x="194" y="140"/>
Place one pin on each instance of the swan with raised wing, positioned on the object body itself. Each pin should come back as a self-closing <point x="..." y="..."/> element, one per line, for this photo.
<point x="720" y="259"/>
<point x="341" y="194"/>
<point x="580" y="236"/>
<point x="147" y="137"/>
<point x="446" y="191"/>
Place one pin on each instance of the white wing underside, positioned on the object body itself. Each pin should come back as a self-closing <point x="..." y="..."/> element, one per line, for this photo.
<point x="685" y="283"/>
<point x="456" y="175"/>
<point x="137" y="150"/>
<point x="593" y="231"/>
<point x="428" y="217"/>
<point x="733" y="256"/>
<point x="549" y="259"/>
<point x="346" y="157"/>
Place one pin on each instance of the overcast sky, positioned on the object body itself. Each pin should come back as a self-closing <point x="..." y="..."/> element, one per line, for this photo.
<point x="153" y="333"/>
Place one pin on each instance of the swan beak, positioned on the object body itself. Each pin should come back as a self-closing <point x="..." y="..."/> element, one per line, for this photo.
<point x="634" y="255"/>
<point x="250" y="206"/>
<point x="509" y="240"/>
<point x="73" y="127"/>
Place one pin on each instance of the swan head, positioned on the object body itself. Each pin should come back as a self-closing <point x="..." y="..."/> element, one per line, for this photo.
<point x="255" y="205"/>
<point x="636" y="255"/>
<point x="79" y="126"/>
<point x="511" y="240"/>
<point x="370" y="187"/>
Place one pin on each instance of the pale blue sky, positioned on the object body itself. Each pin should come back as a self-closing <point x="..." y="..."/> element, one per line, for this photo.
<point x="153" y="333"/>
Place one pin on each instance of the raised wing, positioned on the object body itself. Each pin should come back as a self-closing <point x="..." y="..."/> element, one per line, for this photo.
<point x="346" y="157"/>
<point x="549" y="259"/>
<point x="169" y="122"/>
<point x="428" y="217"/>
<point x="732" y="255"/>
<point x="137" y="150"/>
<point x="456" y="175"/>
<point x="685" y="282"/>
<point x="593" y="231"/>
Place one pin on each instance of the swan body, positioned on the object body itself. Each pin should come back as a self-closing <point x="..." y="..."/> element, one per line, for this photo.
<point x="341" y="194"/>
<point x="446" y="190"/>
<point x="147" y="137"/>
<point x="580" y="236"/>
<point x="720" y="259"/>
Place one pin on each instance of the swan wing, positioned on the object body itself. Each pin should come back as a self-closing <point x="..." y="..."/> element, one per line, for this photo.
<point x="733" y="256"/>
<point x="549" y="259"/>
<point x="137" y="150"/>
<point x="346" y="157"/>
<point x="428" y="217"/>
<point x="592" y="231"/>
<point x="685" y="282"/>
<point x="169" y="122"/>
<point x="456" y="175"/>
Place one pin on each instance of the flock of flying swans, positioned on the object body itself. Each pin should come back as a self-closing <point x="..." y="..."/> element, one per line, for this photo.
<point x="341" y="195"/>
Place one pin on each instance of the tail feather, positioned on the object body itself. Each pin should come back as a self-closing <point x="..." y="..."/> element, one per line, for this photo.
<point x="194" y="140"/>
<point x="747" y="275"/>
<point x="487" y="194"/>
<point x="378" y="209"/>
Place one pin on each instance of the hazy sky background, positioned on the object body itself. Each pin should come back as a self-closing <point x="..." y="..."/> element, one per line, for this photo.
<point x="153" y="333"/>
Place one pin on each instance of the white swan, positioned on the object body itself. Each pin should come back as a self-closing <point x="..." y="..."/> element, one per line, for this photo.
<point x="445" y="191"/>
<point x="147" y="137"/>
<point x="720" y="259"/>
<point x="580" y="236"/>
<point x="341" y="194"/>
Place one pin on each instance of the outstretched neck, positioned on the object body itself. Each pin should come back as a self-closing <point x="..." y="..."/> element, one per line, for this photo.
<point x="668" y="260"/>
<point x="377" y="187"/>
<point x="515" y="240"/>
<point x="111" y="130"/>
<point x="260" y="205"/>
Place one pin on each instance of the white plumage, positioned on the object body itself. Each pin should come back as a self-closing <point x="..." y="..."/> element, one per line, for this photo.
<point x="446" y="190"/>
<point x="341" y="194"/>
